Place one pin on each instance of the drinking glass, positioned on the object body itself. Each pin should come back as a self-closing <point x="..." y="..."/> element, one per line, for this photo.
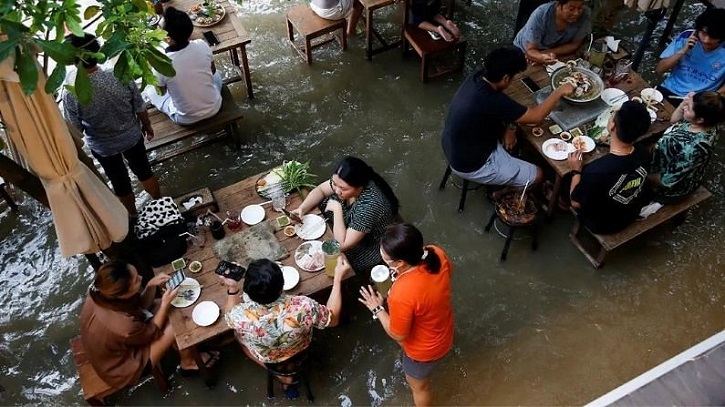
<point x="381" y="278"/>
<point x="235" y="220"/>
<point x="331" y="249"/>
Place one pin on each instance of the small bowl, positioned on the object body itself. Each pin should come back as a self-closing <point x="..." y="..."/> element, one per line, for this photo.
<point x="195" y="266"/>
<point x="565" y="135"/>
<point x="537" y="131"/>
<point x="289" y="231"/>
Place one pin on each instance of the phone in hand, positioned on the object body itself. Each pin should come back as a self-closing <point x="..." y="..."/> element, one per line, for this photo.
<point x="176" y="279"/>
<point x="230" y="270"/>
<point x="530" y="84"/>
<point x="211" y="38"/>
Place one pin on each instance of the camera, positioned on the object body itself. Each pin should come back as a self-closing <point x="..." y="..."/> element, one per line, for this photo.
<point x="230" y="270"/>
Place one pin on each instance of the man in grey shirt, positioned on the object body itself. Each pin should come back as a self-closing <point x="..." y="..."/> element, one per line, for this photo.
<point x="114" y="125"/>
<point x="554" y="29"/>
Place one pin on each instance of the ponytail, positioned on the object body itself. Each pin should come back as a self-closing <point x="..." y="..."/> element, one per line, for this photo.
<point x="404" y="241"/>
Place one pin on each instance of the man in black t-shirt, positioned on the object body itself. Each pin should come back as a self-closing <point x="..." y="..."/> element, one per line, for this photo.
<point x="607" y="193"/>
<point x="481" y="123"/>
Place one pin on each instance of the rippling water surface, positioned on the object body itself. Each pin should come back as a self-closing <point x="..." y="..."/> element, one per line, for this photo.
<point x="542" y="328"/>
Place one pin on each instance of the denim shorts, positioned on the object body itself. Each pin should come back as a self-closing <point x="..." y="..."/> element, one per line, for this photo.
<point x="418" y="370"/>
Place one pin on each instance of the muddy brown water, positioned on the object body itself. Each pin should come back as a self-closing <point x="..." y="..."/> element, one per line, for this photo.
<point x="543" y="328"/>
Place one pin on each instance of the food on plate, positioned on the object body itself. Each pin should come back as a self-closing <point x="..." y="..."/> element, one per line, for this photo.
<point x="195" y="8"/>
<point x="312" y="261"/>
<point x="516" y="209"/>
<point x="579" y="144"/>
<point x="557" y="147"/>
<point x="580" y="81"/>
<point x="261" y="182"/>
<point x="555" y="129"/>
<point x="537" y="131"/>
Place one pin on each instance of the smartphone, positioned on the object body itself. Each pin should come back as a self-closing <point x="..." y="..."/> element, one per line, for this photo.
<point x="230" y="270"/>
<point x="530" y="84"/>
<point x="176" y="279"/>
<point x="211" y="38"/>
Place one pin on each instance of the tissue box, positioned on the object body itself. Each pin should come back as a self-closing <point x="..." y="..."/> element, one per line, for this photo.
<point x="197" y="202"/>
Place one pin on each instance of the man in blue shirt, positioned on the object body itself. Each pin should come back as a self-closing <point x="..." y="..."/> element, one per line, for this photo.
<point x="554" y="29"/>
<point x="696" y="58"/>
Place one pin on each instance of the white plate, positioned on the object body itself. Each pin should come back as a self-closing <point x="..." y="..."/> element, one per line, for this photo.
<point x="614" y="96"/>
<point x="312" y="227"/>
<point x="252" y="214"/>
<point x="652" y="95"/>
<point x="652" y="115"/>
<point x="291" y="277"/>
<point x="188" y="293"/>
<point x="589" y="144"/>
<point x="205" y="313"/>
<point x="549" y="150"/>
<point x="309" y="249"/>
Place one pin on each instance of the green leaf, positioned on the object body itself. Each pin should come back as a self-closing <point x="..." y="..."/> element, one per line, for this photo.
<point x="27" y="69"/>
<point x="114" y="45"/>
<point x="6" y="47"/>
<point x="91" y="12"/>
<point x="122" y="69"/>
<point x="160" y="62"/>
<point x="61" y="52"/>
<point x="83" y="87"/>
<point x="142" y="5"/>
<point x="55" y="80"/>
<point x="74" y="24"/>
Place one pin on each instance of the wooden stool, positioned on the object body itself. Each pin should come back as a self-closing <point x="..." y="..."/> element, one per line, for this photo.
<point x="310" y="26"/>
<point x="95" y="390"/>
<point x="369" y="7"/>
<point x="464" y="187"/>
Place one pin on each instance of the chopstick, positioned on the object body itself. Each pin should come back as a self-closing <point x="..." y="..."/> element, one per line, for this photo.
<point x="190" y="286"/>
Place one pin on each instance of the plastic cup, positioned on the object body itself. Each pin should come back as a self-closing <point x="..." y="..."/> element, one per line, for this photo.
<point x="331" y="249"/>
<point x="381" y="278"/>
<point x="235" y="220"/>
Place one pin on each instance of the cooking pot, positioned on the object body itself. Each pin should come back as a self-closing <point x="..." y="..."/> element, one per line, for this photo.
<point x="592" y="94"/>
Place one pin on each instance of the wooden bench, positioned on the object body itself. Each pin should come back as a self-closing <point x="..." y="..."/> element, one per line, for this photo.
<point x="95" y="390"/>
<point x="311" y="26"/>
<point x="167" y="132"/>
<point x="610" y="242"/>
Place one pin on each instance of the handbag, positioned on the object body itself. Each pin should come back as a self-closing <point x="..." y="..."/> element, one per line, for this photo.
<point x="158" y="232"/>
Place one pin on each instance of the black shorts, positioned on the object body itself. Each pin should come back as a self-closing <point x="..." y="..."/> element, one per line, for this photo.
<point x="116" y="169"/>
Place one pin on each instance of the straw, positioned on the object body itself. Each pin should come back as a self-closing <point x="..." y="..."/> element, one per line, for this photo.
<point x="524" y="192"/>
<point x="187" y="234"/>
<point x="214" y="215"/>
<point x="591" y="40"/>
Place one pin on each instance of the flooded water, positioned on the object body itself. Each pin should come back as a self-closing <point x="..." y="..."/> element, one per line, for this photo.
<point x="543" y="328"/>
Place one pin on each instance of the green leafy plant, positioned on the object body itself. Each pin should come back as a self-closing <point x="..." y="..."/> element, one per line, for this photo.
<point x="26" y="28"/>
<point x="295" y="176"/>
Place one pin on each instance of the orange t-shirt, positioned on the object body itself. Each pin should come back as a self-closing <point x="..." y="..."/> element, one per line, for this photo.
<point x="420" y="306"/>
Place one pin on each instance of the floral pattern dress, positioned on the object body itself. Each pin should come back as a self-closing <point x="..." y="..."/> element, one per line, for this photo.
<point x="681" y="157"/>
<point x="277" y="331"/>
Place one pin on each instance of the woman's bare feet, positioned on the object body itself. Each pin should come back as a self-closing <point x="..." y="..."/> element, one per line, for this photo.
<point x="452" y="28"/>
<point x="444" y="33"/>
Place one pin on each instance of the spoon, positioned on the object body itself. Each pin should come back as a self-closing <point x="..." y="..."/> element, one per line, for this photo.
<point x="591" y="40"/>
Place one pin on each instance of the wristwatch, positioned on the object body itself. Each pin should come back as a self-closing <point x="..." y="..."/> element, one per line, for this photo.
<point x="377" y="310"/>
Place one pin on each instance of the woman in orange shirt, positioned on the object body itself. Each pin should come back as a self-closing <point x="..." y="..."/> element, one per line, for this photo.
<point x="420" y="315"/>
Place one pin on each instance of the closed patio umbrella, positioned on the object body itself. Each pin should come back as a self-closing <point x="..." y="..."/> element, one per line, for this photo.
<point x="86" y="214"/>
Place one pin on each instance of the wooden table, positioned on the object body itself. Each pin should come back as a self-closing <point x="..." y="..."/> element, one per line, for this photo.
<point x="232" y="36"/>
<point x="235" y="197"/>
<point x="632" y="86"/>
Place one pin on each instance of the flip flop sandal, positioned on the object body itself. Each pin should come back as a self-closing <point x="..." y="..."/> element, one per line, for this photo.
<point x="214" y="357"/>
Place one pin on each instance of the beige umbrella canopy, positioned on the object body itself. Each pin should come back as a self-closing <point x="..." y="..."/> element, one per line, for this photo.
<point x="86" y="214"/>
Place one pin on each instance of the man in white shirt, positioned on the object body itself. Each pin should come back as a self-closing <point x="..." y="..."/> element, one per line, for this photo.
<point x="194" y="93"/>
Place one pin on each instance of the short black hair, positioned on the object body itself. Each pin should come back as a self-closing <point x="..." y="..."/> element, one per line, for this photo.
<point x="87" y="42"/>
<point x="563" y="2"/>
<point x="710" y="107"/>
<point x="632" y="121"/>
<point x="712" y="22"/>
<point x="263" y="281"/>
<point x="503" y="61"/>
<point x="178" y="25"/>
